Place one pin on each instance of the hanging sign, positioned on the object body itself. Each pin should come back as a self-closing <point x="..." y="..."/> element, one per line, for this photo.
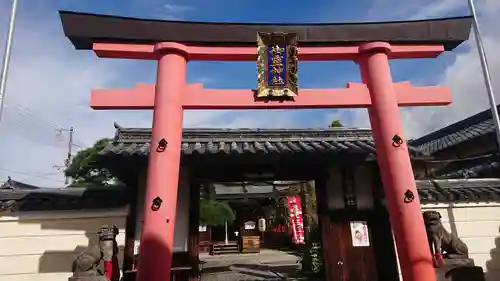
<point x="202" y="228"/>
<point x="359" y="234"/>
<point x="249" y="225"/>
<point x="277" y="65"/>
<point x="296" y="222"/>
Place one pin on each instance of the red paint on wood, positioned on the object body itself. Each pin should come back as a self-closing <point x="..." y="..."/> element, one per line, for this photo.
<point x="171" y="95"/>
<point x="108" y="269"/>
<point x="201" y="53"/>
<point x="195" y="97"/>
<point x="395" y="166"/>
<point x="157" y="238"/>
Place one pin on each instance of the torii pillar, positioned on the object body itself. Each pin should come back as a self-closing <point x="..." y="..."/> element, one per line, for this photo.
<point x="164" y="163"/>
<point x="395" y="166"/>
<point x="171" y="95"/>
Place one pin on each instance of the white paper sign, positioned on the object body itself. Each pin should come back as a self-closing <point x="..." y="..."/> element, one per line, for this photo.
<point x="137" y="247"/>
<point x="202" y="228"/>
<point x="249" y="225"/>
<point x="359" y="234"/>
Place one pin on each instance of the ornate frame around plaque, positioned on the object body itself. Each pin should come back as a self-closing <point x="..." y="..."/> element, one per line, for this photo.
<point x="277" y="65"/>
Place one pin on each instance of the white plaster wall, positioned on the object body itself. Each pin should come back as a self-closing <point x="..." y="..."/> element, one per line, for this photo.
<point x="42" y="245"/>
<point x="478" y="225"/>
<point x="181" y="233"/>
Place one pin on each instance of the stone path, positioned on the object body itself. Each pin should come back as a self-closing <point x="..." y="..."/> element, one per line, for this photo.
<point x="266" y="265"/>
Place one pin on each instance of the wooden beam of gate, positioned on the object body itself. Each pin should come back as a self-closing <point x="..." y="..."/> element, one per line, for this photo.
<point x="356" y="95"/>
<point x="205" y="53"/>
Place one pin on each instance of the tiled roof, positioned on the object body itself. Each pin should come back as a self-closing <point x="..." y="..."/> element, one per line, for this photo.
<point x="471" y="168"/>
<point x="108" y="197"/>
<point x="472" y="127"/>
<point x="252" y="141"/>
<point x="70" y="198"/>
<point x="12" y="184"/>
<point x="430" y="191"/>
<point x="459" y="190"/>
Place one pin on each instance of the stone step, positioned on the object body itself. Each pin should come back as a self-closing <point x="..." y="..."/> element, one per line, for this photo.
<point x="225" y="249"/>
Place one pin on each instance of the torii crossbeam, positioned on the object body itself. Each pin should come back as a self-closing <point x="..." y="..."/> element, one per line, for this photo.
<point x="356" y="95"/>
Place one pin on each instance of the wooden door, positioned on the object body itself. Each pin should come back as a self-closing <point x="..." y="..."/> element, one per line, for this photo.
<point x="343" y="261"/>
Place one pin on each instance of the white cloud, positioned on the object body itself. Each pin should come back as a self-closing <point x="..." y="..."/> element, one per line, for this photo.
<point x="465" y="79"/>
<point x="50" y="81"/>
<point x="49" y="87"/>
<point x="164" y="9"/>
<point x="463" y="76"/>
<point x="418" y="9"/>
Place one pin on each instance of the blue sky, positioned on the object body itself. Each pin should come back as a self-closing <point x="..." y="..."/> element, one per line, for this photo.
<point x="243" y="75"/>
<point x="49" y="82"/>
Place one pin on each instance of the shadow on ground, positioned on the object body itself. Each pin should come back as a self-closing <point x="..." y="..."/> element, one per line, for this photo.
<point x="276" y="270"/>
<point x="268" y="265"/>
<point x="216" y="269"/>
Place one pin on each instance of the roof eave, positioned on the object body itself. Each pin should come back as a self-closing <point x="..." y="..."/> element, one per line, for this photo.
<point x="84" y="29"/>
<point x="425" y="141"/>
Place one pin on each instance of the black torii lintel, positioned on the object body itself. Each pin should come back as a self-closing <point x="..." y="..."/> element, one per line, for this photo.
<point x="84" y="29"/>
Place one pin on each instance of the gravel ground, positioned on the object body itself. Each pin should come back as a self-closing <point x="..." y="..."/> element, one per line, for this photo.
<point x="266" y="265"/>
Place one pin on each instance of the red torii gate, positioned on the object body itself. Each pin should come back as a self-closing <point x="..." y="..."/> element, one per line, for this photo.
<point x="172" y="95"/>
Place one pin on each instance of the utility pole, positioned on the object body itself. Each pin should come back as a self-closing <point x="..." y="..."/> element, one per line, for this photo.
<point x="486" y="71"/>
<point x="67" y="161"/>
<point x="6" y="55"/>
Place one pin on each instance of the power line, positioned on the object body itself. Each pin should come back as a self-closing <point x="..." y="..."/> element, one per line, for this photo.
<point x="453" y="160"/>
<point x="34" y="175"/>
<point x="30" y="114"/>
<point x="44" y="178"/>
<point x="55" y="126"/>
<point x="58" y="129"/>
<point x="28" y="174"/>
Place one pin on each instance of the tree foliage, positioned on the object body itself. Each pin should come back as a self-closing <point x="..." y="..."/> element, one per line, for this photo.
<point x="85" y="167"/>
<point x="336" y="124"/>
<point x="213" y="212"/>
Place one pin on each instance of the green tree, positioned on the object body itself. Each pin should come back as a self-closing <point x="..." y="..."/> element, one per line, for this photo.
<point x="336" y="124"/>
<point x="86" y="169"/>
<point x="213" y="212"/>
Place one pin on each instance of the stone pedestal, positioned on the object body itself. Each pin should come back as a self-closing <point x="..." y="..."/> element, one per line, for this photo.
<point x="86" y="266"/>
<point x="459" y="270"/>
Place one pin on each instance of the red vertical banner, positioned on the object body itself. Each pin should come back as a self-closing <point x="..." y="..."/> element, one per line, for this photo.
<point x="296" y="222"/>
<point x="292" y="218"/>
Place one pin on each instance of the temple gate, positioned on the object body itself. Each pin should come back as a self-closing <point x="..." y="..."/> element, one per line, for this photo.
<point x="173" y="44"/>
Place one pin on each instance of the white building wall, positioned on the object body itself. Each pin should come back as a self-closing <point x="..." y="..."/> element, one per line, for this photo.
<point x="42" y="245"/>
<point x="478" y="225"/>
<point x="181" y="233"/>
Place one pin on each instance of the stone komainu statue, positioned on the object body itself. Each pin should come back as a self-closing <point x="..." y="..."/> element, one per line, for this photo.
<point x="86" y="265"/>
<point x="443" y="244"/>
<point x="8" y="206"/>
